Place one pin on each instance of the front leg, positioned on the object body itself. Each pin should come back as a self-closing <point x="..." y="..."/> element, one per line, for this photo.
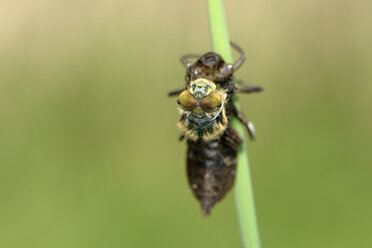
<point x="249" y="125"/>
<point x="185" y="59"/>
<point x="248" y="88"/>
<point x="175" y="92"/>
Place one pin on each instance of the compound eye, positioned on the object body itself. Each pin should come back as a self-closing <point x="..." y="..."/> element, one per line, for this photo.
<point x="187" y="101"/>
<point x="211" y="102"/>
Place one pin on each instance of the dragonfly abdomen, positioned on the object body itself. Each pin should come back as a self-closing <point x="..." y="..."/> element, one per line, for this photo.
<point x="211" y="171"/>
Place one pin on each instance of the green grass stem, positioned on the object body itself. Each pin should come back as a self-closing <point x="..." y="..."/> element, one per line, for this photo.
<point x="243" y="186"/>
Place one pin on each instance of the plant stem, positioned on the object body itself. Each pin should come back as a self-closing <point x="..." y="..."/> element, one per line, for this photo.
<point x="243" y="187"/>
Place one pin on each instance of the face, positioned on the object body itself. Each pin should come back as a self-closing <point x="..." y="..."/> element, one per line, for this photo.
<point x="201" y="101"/>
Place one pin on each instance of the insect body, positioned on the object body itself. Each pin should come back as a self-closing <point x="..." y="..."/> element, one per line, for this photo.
<point x="206" y="108"/>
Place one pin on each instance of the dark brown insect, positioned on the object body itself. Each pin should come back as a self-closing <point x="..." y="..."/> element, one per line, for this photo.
<point x="206" y="108"/>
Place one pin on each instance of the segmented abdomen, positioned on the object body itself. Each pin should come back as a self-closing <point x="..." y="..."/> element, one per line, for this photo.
<point x="211" y="168"/>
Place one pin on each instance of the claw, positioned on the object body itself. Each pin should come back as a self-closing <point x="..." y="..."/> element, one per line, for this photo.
<point x="251" y="130"/>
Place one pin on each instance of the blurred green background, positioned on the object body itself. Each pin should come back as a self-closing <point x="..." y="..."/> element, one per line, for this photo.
<point x="89" y="155"/>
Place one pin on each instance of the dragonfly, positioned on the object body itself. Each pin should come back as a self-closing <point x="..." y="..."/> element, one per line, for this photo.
<point x="206" y="108"/>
